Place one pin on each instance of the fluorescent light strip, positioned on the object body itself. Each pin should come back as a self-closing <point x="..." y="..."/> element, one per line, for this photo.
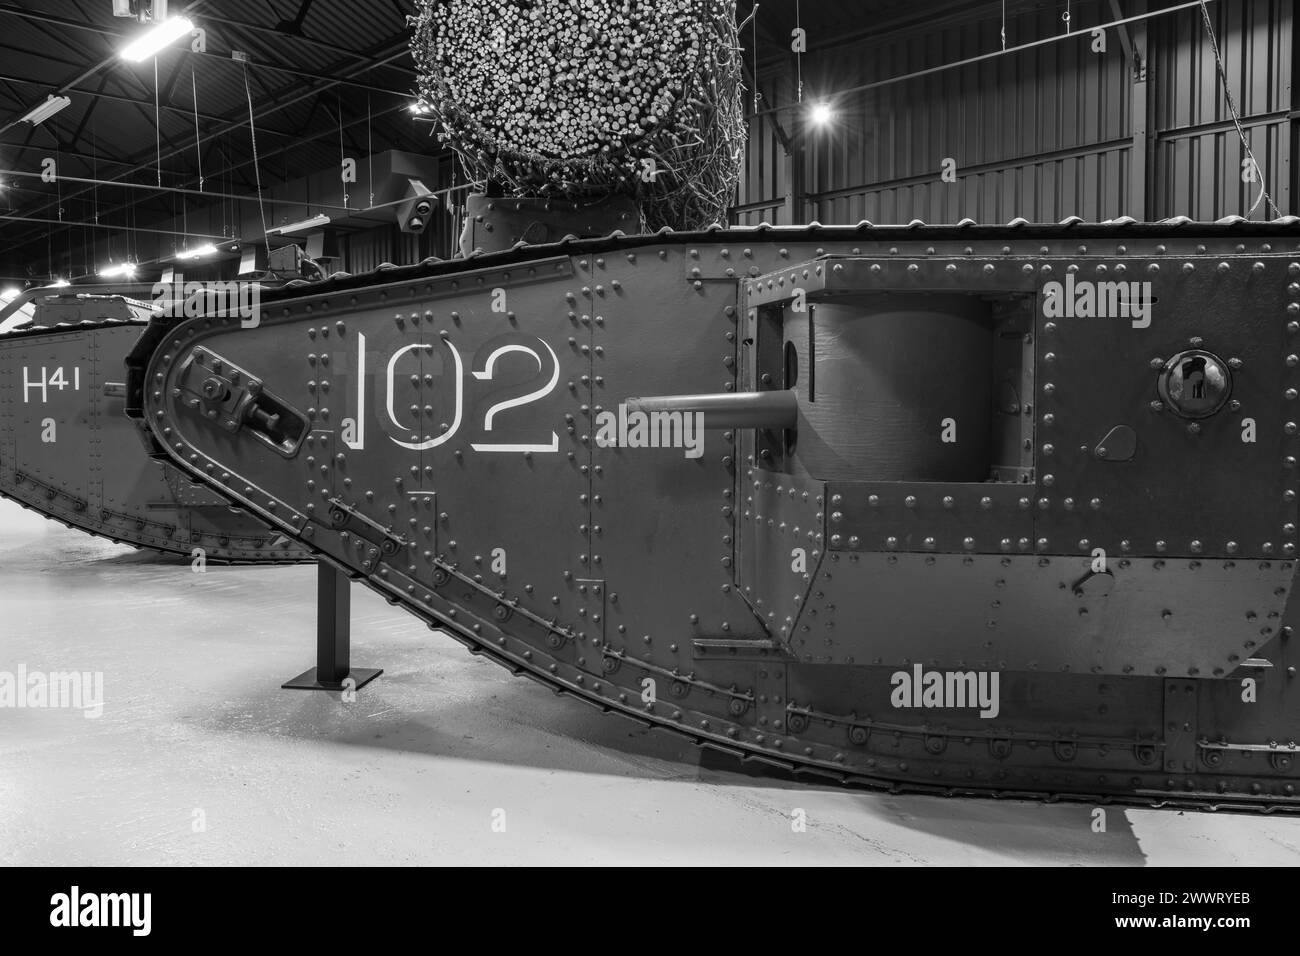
<point x="40" y="113"/>
<point x="157" y="39"/>
<point x="197" y="252"/>
<point x="313" y="223"/>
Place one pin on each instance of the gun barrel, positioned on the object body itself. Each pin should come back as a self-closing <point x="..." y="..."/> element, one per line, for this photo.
<point x="774" y="409"/>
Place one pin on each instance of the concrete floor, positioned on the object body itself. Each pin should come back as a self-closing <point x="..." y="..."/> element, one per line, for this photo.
<point x="195" y="727"/>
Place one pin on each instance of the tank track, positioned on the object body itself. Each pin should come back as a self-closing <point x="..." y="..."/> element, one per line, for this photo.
<point x="741" y="687"/>
<point x="829" y="771"/>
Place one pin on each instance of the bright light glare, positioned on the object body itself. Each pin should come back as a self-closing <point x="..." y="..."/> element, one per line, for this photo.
<point x="121" y="269"/>
<point x="821" y="114"/>
<point x="207" y="249"/>
<point x="11" y="292"/>
<point x="157" y="38"/>
<point x="60" y="283"/>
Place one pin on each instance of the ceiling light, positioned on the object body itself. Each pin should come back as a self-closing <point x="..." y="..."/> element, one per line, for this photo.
<point x="157" y="38"/>
<point x="821" y="114"/>
<point x="44" y="111"/>
<point x="207" y="249"/>
<point x="313" y="223"/>
<point x="121" y="269"/>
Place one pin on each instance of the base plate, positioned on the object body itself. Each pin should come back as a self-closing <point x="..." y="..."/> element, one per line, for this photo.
<point x="360" y="676"/>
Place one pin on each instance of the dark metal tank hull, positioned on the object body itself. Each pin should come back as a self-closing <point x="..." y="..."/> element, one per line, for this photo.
<point x="68" y="451"/>
<point x="976" y="487"/>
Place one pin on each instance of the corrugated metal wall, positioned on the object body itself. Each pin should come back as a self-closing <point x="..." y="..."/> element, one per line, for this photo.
<point x="1046" y="133"/>
<point x="1198" y="150"/>
<point x="366" y="251"/>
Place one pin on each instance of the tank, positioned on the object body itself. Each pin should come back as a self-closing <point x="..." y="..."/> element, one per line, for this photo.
<point x="960" y="509"/>
<point x="68" y="451"/>
<point x="1017" y="517"/>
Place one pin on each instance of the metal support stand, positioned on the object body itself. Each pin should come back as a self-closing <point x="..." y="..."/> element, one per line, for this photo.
<point x="333" y="638"/>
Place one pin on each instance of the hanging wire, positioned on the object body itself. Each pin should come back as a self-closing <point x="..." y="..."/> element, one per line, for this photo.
<point x="94" y="159"/>
<point x="220" y="145"/>
<point x="1236" y="120"/>
<point x="457" y="209"/>
<point x="257" y="166"/>
<point x="342" y="155"/>
<point x="68" y="233"/>
<point x="58" y="180"/>
<point x="185" y="220"/>
<point x="753" y="48"/>
<point x="198" y="150"/>
<point x="185" y="225"/>
<point x="1004" y="26"/>
<point x="157" y="123"/>
<point x="1066" y="16"/>
<point x="370" y="152"/>
<point x="229" y="212"/>
<point x="58" y="186"/>
<point x="798" y="56"/>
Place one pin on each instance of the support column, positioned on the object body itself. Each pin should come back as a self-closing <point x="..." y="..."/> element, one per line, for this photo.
<point x="333" y="670"/>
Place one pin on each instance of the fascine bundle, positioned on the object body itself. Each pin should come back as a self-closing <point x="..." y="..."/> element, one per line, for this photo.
<point x="581" y="99"/>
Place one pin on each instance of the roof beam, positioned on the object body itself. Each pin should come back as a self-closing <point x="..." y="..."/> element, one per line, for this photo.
<point x="357" y="55"/>
<point x="232" y="168"/>
<point x="387" y="53"/>
<point x="296" y="38"/>
<point x="119" y="98"/>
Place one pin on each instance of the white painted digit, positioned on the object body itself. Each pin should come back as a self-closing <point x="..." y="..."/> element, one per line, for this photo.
<point x="359" y="424"/>
<point x="489" y="368"/>
<point x="523" y="399"/>
<point x="460" y="397"/>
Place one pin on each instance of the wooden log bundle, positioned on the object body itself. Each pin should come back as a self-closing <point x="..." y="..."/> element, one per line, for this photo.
<point x="581" y="99"/>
